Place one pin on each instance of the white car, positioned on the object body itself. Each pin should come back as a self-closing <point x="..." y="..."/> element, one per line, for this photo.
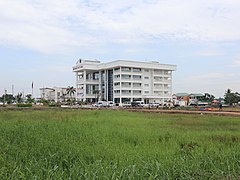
<point x="138" y="104"/>
<point x="101" y="104"/>
<point x="110" y="104"/>
<point x="154" y="105"/>
<point x="126" y="104"/>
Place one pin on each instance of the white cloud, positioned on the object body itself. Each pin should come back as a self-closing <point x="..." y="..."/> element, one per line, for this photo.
<point x="62" y="26"/>
<point x="38" y="27"/>
<point x="236" y="63"/>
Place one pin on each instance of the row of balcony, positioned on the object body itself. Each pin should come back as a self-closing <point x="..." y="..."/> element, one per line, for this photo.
<point x="140" y="87"/>
<point x="140" y="79"/>
<point x="145" y="93"/>
<point x="136" y="70"/>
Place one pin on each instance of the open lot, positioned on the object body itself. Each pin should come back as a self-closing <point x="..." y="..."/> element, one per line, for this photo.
<point x="114" y="144"/>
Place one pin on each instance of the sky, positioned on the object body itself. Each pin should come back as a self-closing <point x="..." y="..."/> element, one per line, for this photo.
<point x="41" y="40"/>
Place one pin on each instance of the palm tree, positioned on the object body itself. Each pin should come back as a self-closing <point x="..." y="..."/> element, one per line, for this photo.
<point x="19" y="98"/>
<point x="230" y="97"/>
<point x="71" y="91"/>
<point x="29" y="98"/>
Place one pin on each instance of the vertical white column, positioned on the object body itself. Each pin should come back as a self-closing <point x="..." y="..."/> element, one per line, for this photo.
<point x="99" y="85"/>
<point x="106" y="84"/>
<point x="170" y="89"/>
<point x="84" y="85"/>
<point x="120" y="85"/>
<point x="55" y="93"/>
<point x="77" y="90"/>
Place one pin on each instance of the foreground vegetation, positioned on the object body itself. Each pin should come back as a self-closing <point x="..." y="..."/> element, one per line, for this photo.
<point x="107" y="144"/>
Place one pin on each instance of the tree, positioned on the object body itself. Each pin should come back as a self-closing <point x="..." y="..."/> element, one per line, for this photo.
<point x="71" y="91"/>
<point x="29" y="98"/>
<point x="231" y="98"/>
<point x="208" y="97"/>
<point x="19" y="98"/>
<point x="7" y="98"/>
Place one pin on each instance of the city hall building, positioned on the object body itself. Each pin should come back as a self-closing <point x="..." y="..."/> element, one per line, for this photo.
<point x="123" y="81"/>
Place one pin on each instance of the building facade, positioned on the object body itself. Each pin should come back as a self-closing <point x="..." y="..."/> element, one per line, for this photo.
<point x="185" y="99"/>
<point x="123" y="81"/>
<point x="57" y="94"/>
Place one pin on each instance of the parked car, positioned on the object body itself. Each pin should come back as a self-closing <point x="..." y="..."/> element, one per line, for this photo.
<point x="110" y="104"/>
<point x="101" y="104"/>
<point x="138" y="104"/>
<point x="126" y="104"/>
<point x="153" y="105"/>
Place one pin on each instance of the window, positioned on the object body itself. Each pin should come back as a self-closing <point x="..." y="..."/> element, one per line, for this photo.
<point x="146" y="77"/>
<point x="126" y="84"/>
<point x="146" y="70"/>
<point x="80" y="77"/>
<point x="146" y="92"/>
<point x="136" y="69"/>
<point x="137" y="84"/>
<point x="157" y="92"/>
<point x="167" y="86"/>
<point x="137" y="92"/>
<point x="167" y="72"/>
<point x="136" y="77"/>
<point x="157" y="71"/>
<point x="127" y="69"/>
<point x="146" y="85"/>
<point x="156" y="78"/>
<point x="158" y="85"/>
<point x="165" y="92"/>
<point x="126" y="76"/>
<point x="126" y="92"/>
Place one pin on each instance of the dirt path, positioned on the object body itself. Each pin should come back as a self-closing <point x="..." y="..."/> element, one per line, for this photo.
<point x="170" y="111"/>
<point x="222" y="113"/>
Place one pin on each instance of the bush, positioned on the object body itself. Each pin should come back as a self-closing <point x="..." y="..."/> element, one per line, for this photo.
<point x="24" y="105"/>
<point x="53" y="104"/>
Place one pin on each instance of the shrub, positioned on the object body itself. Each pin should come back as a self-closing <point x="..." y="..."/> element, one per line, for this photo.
<point x="53" y="104"/>
<point x="24" y="105"/>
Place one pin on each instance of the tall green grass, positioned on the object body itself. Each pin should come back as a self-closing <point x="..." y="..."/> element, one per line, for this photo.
<point x="107" y="144"/>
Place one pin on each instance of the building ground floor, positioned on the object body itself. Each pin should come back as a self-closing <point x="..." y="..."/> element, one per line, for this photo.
<point x="123" y="100"/>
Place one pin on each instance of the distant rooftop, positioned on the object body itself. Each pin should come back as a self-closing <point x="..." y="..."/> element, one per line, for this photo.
<point x="181" y="94"/>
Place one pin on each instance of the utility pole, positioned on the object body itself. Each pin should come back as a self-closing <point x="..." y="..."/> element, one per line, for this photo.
<point x="32" y="88"/>
<point x="13" y="90"/>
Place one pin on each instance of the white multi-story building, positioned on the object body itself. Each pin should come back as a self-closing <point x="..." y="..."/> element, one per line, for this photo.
<point x="123" y="81"/>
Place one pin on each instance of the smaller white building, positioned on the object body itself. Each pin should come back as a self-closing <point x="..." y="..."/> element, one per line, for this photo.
<point x="57" y="94"/>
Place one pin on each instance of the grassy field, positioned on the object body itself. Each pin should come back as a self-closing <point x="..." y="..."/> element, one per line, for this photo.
<point x="107" y="144"/>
